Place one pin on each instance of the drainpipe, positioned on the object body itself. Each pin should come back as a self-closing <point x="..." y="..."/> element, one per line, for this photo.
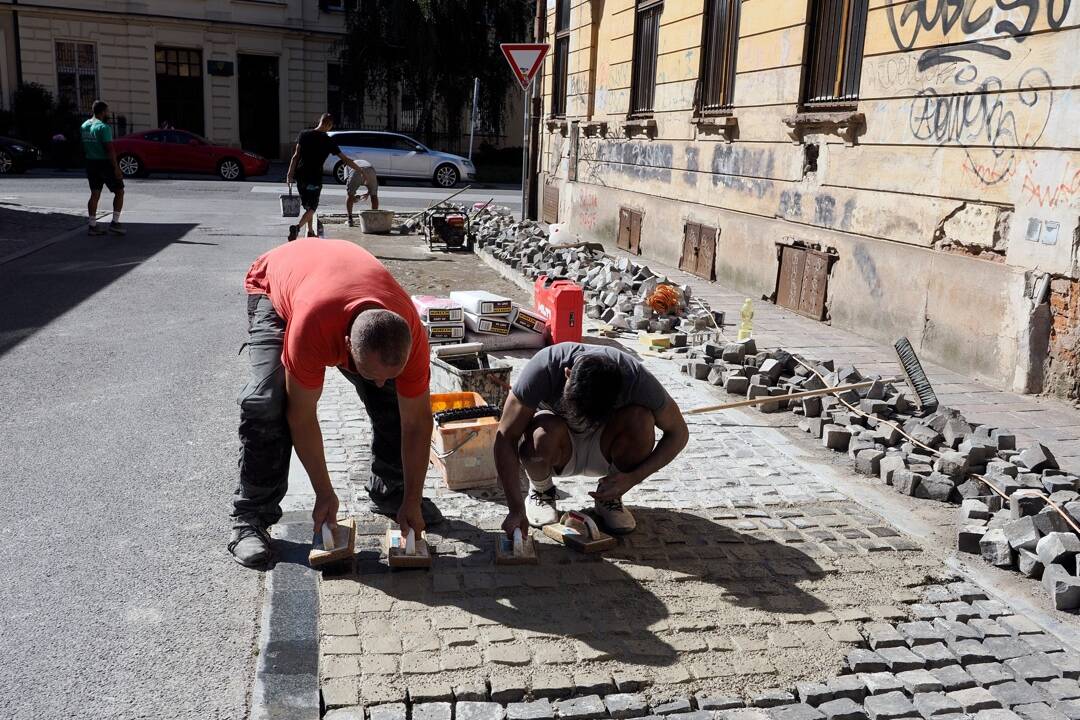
<point x="536" y="103"/>
<point x="18" y="45"/>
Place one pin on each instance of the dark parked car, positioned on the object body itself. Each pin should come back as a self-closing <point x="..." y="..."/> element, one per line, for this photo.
<point x="181" y="151"/>
<point x="17" y="156"/>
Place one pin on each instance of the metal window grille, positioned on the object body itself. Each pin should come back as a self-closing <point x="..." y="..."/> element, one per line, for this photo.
<point x="720" y="43"/>
<point x="561" y="61"/>
<point x="646" y="45"/>
<point x="178" y="62"/>
<point x="834" y="62"/>
<point x="76" y="75"/>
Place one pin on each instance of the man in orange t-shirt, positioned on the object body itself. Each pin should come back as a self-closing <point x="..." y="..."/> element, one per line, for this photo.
<point x="314" y="304"/>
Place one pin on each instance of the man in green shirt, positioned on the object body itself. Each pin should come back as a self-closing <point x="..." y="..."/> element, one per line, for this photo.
<point x="102" y="168"/>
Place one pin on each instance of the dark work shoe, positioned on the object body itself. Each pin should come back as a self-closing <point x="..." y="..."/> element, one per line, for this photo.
<point x="388" y="504"/>
<point x="294" y="230"/>
<point x="250" y="546"/>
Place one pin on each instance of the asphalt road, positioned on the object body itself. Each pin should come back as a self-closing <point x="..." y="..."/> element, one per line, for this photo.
<point x="119" y="370"/>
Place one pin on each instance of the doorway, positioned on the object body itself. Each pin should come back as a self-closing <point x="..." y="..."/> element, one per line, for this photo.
<point x="180" y="89"/>
<point x="258" y="99"/>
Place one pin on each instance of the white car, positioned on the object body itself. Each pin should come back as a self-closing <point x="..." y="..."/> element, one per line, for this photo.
<point x="394" y="155"/>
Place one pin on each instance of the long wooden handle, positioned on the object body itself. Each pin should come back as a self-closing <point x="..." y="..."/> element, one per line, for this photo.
<point x="436" y="204"/>
<point x="792" y="396"/>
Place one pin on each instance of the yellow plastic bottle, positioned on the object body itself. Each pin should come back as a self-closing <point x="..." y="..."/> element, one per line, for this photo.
<point x="746" y="325"/>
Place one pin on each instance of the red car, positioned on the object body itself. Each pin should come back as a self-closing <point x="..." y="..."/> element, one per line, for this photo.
<point x="180" y="151"/>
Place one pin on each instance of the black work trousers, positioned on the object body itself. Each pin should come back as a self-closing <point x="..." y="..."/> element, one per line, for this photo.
<point x="265" y="441"/>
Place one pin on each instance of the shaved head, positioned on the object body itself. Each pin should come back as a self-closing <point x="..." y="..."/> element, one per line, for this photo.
<point x="382" y="336"/>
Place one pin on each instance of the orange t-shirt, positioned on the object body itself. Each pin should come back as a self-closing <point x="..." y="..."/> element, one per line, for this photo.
<point x="317" y="286"/>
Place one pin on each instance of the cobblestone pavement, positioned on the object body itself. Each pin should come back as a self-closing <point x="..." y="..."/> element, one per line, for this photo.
<point x="749" y="574"/>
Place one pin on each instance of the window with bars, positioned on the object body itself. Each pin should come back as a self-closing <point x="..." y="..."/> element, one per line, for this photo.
<point x="719" y="44"/>
<point x="646" y="45"/>
<point x="835" y="48"/>
<point x="561" y="61"/>
<point x="76" y="75"/>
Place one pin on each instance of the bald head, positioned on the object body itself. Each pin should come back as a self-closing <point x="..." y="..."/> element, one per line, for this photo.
<point x="382" y="337"/>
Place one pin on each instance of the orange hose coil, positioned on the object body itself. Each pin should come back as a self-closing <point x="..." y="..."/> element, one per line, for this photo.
<point x="664" y="300"/>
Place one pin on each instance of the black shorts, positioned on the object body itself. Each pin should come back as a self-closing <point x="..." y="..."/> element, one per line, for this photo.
<point x="101" y="172"/>
<point x="309" y="192"/>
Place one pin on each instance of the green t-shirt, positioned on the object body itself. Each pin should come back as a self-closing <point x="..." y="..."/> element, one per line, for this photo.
<point x="95" y="134"/>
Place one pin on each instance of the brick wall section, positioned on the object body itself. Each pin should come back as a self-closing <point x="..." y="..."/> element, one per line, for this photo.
<point x="1063" y="364"/>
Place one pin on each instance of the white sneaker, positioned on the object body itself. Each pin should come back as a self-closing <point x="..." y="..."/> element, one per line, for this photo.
<point x="616" y="519"/>
<point x="540" y="507"/>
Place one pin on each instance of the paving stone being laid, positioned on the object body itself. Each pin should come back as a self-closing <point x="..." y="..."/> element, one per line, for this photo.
<point x="974" y="699"/>
<point x="1013" y="693"/>
<point x="626" y="705"/>
<point x="671" y="707"/>
<point x="795" y="711"/>
<point x="889" y="706"/>
<point x="879" y="683"/>
<point x="590" y="707"/>
<point x="707" y="701"/>
<point x="535" y="710"/>
<point x="432" y="711"/>
<point x="842" y="709"/>
<point x="935" y="704"/>
<point x="479" y="711"/>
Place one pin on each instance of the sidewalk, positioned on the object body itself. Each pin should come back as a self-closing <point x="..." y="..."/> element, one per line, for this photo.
<point x="1052" y="422"/>
<point x="25" y="229"/>
<point x="751" y="571"/>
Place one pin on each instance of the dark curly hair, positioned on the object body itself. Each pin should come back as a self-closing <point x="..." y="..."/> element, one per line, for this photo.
<point x="589" y="397"/>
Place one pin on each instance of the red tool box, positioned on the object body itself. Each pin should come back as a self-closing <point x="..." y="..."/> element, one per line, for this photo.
<point x="562" y="303"/>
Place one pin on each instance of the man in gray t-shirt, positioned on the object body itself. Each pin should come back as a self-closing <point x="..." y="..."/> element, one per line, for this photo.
<point x="589" y="410"/>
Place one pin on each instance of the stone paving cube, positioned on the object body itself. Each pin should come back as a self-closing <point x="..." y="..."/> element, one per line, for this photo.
<point x="953" y="677"/>
<point x="432" y="711"/>
<point x="389" y="711"/>
<point x="355" y="712"/>
<point x="341" y="692"/>
<point x="1020" y="625"/>
<point x="889" y="706"/>
<point x="626" y="705"/>
<point x="971" y="652"/>
<point x="678" y="705"/>
<point x="849" y="686"/>
<point x="627" y="681"/>
<point x="708" y="701"/>
<point x="1063" y="588"/>
<point x="919" y="681"/>
<point x="535" y="710"/>
<point x="431" y="691"/>
<point x="995" y="548"/>
<point x="1068" y="664"/>
<point x="989" y="673"/>
<point x="590" y="707"/>
<point x="879" y="683"/>
<point x="955" y="631"/>
<point x="471" y="691"/>
<point x="692" y="715"/>
<point x="812" y="693"/>
<point x="867" y="661"/>
<point x="1039" y="711"/>
<point x="900" y="659"/>
<point x="507" y="688"/>
<point x="989" y="628"/>
<point x="1022" y="533"/>
<point x="594" y="684"/>
<point x="1032" y="667"/>
<point x="835" y="437"/>
<point x="906" y="482"/>
<point x="997" y="714"/>
<point x="1059" y="689"/>
<point x="883" y="635"/>
<point x="935" y="704"/>
<point x="842" y="709"/>
<point x="1006" y="648"/>
<point x="1071" y="708"/>
<point x="969" y="537"/>
<point x="1058" y="547"/>
<point x="920" y="632"/>
<point x="772" y="698"/>
<point x="552" y="685"/>
<point x="936" y="486"/>
<point x="1015" y="692"/>
<point x="937" y="655"/>
<point x="960" y="611"/>
<point x="478" y="711"/>
<point x="795" y="711"/>
<point x="972" y="700"/>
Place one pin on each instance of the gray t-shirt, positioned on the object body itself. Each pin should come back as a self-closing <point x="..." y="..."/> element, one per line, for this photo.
<point x="541" y="382"/>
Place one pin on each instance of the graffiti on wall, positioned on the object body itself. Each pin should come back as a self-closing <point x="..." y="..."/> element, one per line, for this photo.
<point x="986" y="116"/>
<point x="942" y="16"/>
<point x="639" y="160"/>
<point x="743" y="170"/>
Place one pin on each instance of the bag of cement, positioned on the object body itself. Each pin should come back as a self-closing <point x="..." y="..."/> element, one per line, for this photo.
<point x="445" y="331"/>
<point x="290" y="204"/>
<point x="481" y="302"/>
<point x="487" y="325"/>
<point x="436" y="309"/>
<point x="528" y="320"/>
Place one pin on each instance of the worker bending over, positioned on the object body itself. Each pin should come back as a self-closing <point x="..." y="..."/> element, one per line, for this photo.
<point x="588" y="410"/>
<point x="314" y="304"/>
<point x="363" y="175"/>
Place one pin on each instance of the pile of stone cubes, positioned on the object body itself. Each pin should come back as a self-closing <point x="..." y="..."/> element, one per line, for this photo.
<point x="615" y="288"/>
<point x="1021" y="530"/>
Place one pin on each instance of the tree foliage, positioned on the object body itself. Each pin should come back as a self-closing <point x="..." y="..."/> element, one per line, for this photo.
<point x="430" y="50"/>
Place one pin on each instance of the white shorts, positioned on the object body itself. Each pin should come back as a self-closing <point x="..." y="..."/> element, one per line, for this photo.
<point x="365" y="177"/>
<point x="586" y="458"/>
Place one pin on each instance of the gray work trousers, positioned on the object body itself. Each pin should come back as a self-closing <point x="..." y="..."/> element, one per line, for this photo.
<point x="265" y="441"/>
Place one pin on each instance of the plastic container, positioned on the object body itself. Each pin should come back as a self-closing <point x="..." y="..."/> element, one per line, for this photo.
<point x="376" y="222"/>
<point x="464" y="450"/>
<point x="472" y="373"/>
<point x="562" y="304"/>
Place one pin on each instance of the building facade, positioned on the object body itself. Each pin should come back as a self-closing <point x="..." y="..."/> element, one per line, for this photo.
<point x="897" y="167"/>
<point x="248" y="73"/>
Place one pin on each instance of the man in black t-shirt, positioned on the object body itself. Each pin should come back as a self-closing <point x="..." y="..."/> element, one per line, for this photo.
<point x="306" y="168"/>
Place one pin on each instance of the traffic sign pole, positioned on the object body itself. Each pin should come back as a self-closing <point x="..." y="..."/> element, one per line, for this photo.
<point x="525" y="60"/>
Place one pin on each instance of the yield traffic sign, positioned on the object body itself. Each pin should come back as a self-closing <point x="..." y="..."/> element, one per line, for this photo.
<point x="525" y="60"/>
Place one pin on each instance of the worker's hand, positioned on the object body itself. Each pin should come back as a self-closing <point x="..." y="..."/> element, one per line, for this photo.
<point x="515" y="519"/>
<point x="326" y="508"/>
<point x="410" y="517"/>
<point x="613" y="486"/>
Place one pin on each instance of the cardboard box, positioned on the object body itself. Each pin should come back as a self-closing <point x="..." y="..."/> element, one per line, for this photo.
<point x="487" y="325"/>
<point x="445" y="331"/>
<point x="482" y="302"/>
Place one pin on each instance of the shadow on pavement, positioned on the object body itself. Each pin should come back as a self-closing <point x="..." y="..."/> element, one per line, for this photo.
<point x="41" y="287"/>
<point x="617" y="603"/>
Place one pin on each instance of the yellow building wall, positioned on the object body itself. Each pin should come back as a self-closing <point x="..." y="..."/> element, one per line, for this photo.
<point x="963" y="153"/>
